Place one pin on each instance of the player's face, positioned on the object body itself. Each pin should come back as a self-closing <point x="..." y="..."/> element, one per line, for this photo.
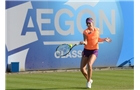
<point x="90" y="24"/>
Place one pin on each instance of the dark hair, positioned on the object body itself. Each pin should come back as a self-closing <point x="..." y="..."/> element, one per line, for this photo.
<point x="89" y="18"/>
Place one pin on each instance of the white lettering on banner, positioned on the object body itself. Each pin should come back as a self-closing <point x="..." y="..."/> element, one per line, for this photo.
<point x="111" y="26"/>
<point x="40" y="21"/>
<point x="70" y="31"/>
<point x="72" y="54"/>
<point x="71" y="23"/>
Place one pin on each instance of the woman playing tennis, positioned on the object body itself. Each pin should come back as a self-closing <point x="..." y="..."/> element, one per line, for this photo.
<point x="90" y="52"/>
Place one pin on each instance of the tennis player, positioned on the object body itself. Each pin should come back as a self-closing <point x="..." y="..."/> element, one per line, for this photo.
<point x="90" y="52"/>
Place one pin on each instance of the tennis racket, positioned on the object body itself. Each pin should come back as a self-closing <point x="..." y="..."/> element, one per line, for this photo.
<point x="64" y="49"/>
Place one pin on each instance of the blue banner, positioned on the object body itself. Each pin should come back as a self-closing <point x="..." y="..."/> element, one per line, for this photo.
<point x="35" y="28"/>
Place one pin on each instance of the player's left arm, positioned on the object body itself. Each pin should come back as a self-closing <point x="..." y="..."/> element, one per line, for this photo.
<point x="103" y="39"/>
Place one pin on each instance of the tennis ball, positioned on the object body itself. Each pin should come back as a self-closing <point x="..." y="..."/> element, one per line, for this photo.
<point x="70" y="45"/>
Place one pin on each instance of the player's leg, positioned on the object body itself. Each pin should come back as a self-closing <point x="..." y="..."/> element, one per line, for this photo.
<point x="92" y="59"/>
<point x="83" y="64"/>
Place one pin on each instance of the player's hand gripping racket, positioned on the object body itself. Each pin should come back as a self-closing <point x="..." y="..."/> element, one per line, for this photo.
<point x="64" y="49"/>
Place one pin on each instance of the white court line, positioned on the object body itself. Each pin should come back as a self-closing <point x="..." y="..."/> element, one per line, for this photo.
<point x="61" y="42"/>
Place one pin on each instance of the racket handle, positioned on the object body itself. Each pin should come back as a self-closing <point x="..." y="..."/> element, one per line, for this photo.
<point x="82" y="43"/>
<point x="79" y="43"/>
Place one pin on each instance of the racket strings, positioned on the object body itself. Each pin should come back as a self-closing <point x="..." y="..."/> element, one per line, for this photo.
<point x="63" y="49"/>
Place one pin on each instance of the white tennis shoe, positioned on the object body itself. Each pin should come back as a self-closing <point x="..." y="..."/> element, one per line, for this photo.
<point x="89" y="83"/>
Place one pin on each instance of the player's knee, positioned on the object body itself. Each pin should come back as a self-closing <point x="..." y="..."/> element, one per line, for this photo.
<point x="90" y="67"/>
<point x="82" y="69"/>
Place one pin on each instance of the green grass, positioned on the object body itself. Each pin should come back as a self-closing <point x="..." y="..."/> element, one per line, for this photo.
<point x="103" y="80"/>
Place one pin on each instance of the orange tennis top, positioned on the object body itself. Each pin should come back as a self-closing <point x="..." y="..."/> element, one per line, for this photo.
<point x="93" y="37"/>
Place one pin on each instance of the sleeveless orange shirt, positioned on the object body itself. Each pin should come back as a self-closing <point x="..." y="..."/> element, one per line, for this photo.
<point x="92" y="39"/>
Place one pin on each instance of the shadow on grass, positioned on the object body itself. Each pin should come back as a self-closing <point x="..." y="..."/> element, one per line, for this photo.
<point x="64" y="88"/>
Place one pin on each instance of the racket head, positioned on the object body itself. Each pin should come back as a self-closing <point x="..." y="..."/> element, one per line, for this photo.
<point x="63" y="49"/>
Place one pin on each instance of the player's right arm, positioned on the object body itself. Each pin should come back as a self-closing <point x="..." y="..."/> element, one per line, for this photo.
<point x="85" y="40"/>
